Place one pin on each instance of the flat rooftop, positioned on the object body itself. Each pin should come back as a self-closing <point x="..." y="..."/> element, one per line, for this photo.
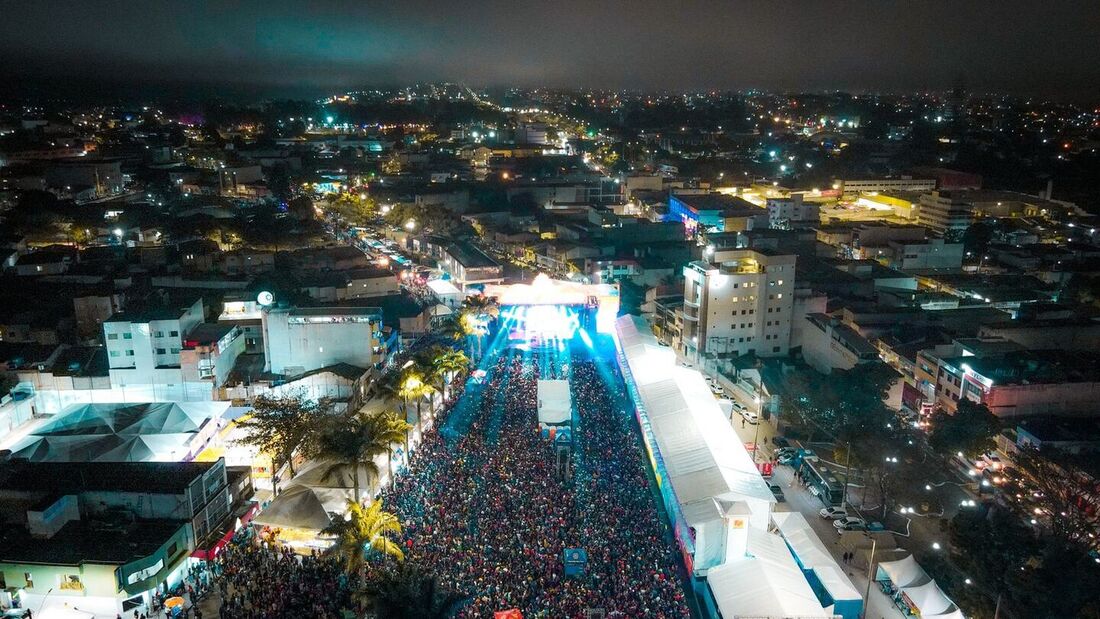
<point x="87" y="542"/>
<point x="149" y="477"/>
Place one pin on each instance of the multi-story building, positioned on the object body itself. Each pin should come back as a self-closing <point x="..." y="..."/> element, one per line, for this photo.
<point x="102" y="537"/>
<point x="143" y="351"/>
<point x="793" y="212"/>
<point x="715" y="211"/>
<point x="738" y="302"/>
<point x="946" y="214"/>
<point x="209" y="352"/>
<point x="869" y="185"/>
<point x="299" y="340"/>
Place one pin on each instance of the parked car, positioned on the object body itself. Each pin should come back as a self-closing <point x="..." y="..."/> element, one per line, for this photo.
<point x="833" y="513"/>
<point x="779" y="441"/>
<point x="850" y="523"/>
<point x="784" y="452"/>
<point x="777" y="492"/>
<point x="750" y="416"/>
<point x="737" y="406"/>
<point x="716" y="390"/>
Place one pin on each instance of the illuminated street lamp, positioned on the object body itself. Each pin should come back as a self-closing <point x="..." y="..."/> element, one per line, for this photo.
<point x="410" y="225"/>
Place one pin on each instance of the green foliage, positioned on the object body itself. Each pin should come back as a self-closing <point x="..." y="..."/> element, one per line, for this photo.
<point x="281" y="425"/>
<point x="971" y="430"/>
<point x="348" y="445"/>
<point x="407" y="592"/>
<point x="364" y="533"/>
<point x="356" y="209"/>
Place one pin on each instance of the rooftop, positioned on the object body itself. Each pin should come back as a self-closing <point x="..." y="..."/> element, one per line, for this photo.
<point x="1028" y="367"/>
<point x="87" y="542"/>
<point x="73" y="477"/>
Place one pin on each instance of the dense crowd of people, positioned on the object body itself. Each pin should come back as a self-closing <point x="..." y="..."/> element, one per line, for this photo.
<point x="488" y="512"/>
<point x="256" y="580"/>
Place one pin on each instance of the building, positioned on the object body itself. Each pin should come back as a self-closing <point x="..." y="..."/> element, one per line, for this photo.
<point x="793" y="212"/>
<point x="92" y="307"/>
<point x="102" y="537"/>
<point x="298" y="340"/>
<point x="143" y="350"/>
<point x="1018" y="383"/>
<point x="877" y="185"/>
<point x="828" y="344"/>
<point x="209" y="352"/>
<point x="739" y="302"/>
<point x="944" y="213"/>
<point x="68" y="176"/>
<point x="715" y="211"/>
<point x="933" y="254"/>
<point x="469" y="266"/>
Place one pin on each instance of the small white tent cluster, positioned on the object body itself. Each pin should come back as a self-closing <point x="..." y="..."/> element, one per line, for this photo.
<point x="147" y="432"/>
<point x="912" y="585"/>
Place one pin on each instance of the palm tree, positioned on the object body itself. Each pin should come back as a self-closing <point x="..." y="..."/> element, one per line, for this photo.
<point x="476" y="312"/>
<point x="407" y="592"/>
<point x="448" y="364"/>
<point x="414" y="386"/>
<point x="348" y="445"/>
<point x="363" y="533"/>
<point x="393" y="430"/>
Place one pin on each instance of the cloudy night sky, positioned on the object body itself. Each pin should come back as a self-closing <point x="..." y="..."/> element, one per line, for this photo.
<point x="1046" y="48"/>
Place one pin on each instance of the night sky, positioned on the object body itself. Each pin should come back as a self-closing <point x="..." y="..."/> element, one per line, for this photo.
<point x="1046" y="48"/>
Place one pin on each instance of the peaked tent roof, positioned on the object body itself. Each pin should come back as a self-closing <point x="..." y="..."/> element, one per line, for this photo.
<point x="929" y="599"/>
<point x="904" y="572"/>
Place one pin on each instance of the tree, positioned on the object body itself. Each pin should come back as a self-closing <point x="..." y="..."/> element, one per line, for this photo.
<point x="970" y="430"/>
<point x="393" y="430"/>
<point x="1070" y="496"/>
<point x="415" y="387"/>
<point x="364" y="533"/>
<point x="348" y="445"/>
<point x="301" y="208"/>
<point x="448" y="364"/>
<point x="278" y="426"/>
<point x="407" y="592"/>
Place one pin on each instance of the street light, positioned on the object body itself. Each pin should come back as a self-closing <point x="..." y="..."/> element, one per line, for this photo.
<point x="410" y="225"/>
<point x="936" y="546"/>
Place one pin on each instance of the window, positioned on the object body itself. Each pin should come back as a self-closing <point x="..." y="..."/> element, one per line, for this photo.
<point x="780" y="282"/>
<point x="71" y="582"/>
<point x="129" y="353"/>
<point x="28" y="578"/>
<point x="159" y="334"/>
<point x="112" y="336"/>
<point x="114" y="353"/>
<point x="775" y="349"/>
<point x="175" y="351"/>
<point x="160" y="351"/>
<point x="173" y="333"/>
<point x="751" y="312"/>
<point x="127" y="336"/>
<point x="779" y="296"/>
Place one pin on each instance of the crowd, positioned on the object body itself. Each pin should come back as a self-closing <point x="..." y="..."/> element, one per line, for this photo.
<point x="485" y="511"/>
<point x="256" y="580"/>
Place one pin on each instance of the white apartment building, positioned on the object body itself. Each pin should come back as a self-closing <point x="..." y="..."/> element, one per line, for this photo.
<point x="942" y="212"/>
<point x="792" y="212"/>
<point x="143" y="353"/>
<point x="738" y="302"/>
<point x="299" y="340"/>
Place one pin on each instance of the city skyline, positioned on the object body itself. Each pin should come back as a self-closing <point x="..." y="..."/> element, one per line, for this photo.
<point x="283" y="49"/>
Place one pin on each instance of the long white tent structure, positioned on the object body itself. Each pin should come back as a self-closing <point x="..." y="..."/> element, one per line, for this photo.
<point x="711" y="487"/>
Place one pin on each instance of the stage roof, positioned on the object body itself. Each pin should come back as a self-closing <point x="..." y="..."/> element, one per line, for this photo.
<point x="546" y="291"/>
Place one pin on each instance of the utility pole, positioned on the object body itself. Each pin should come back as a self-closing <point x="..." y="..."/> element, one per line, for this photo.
<point x="870" y="577"/>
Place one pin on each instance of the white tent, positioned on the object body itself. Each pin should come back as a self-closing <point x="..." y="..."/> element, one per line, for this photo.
<point x="929" y="599"/>
<point x="813" y="555"/>
<point x="122" y="432"/>
<point x="303" y="507"/>
<point x="903" y="573"/>
<point x="778" y="588"/>
<point x="555" y="406"/>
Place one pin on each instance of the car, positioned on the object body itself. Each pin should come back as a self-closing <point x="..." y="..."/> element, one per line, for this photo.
<point x="850" y="523"/>
<point x="750" y="417"/>
<point x="737" y="406"/>
<point x="780" y="442"/>
<point x="777" y="492"/>
<point x="716" y="390"/>
<point x="785" y="451"/>
<point x="833" y="513"/>
<point x="992" y="462"/>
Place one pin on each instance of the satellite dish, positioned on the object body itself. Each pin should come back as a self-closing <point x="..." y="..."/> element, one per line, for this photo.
<point x="265" y="298"/>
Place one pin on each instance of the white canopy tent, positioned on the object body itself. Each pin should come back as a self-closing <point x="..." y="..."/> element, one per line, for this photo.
<point x="555" y="406"/>
<point x="777" y="590"/>
<point x="929" y="599"/>
<point x="124" y="432"/>
<point x="903" y="573"/>
<point x="813" y="555"/>
<point x="304" y="507"/>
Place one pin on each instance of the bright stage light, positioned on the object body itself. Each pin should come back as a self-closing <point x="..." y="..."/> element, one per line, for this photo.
<point x="538" y="324"/>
